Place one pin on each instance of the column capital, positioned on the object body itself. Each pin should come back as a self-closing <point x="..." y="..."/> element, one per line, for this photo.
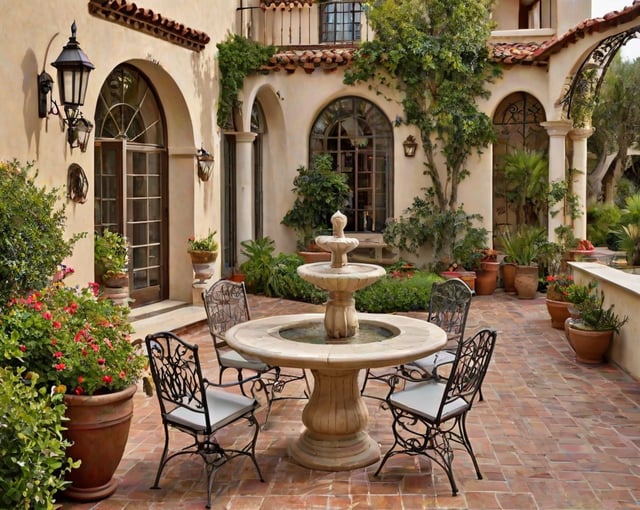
<point x="245" y="137"/>
<point x="581" y="133"/>
<point x="557" y="127"/>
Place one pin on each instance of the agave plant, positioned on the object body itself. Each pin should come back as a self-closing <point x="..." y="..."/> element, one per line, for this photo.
<point x="629" y="236"/>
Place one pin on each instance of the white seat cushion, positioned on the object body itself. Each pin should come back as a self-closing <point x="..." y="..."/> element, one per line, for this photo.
<point x="224" y="407"/>
<point x="424" y="400"/>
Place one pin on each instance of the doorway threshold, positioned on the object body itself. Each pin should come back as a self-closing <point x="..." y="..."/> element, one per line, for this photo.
<point x="168" y="315"/>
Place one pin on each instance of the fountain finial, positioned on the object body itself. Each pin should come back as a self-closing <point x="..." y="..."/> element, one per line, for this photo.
<point x="339" y="221"/>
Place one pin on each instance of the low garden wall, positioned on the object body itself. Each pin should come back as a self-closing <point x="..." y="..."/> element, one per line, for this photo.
<point x="623" y="290"/>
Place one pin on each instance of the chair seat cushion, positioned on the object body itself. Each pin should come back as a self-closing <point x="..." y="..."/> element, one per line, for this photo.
<point x="424" y="399"/>
<point x="224" y="407"/>
<point x="429" y="363"/>
<point x="233" y="359"/>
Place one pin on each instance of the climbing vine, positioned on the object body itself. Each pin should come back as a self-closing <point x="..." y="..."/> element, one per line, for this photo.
<point x="238" y="57"/>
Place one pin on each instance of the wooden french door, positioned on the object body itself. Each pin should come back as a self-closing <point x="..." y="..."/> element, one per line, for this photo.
<point x="131" y="199"/>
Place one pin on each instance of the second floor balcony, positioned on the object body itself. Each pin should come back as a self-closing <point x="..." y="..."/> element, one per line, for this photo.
<point x="302" y="23"/>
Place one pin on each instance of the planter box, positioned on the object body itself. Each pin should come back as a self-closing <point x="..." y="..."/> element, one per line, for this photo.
<point x="468" y="277"/>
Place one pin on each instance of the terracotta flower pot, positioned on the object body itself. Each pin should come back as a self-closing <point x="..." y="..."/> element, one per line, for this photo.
<point x="98" y="426"/>
<point x="509" y="277"/>
<point x="526" y="281"/>
<point x="589" y="346"/>
<point x="487" y="278"/>
<point x="559" y="312"/>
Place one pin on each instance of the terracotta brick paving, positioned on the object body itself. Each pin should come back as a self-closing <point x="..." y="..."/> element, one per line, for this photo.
<point x="550" y="434"/>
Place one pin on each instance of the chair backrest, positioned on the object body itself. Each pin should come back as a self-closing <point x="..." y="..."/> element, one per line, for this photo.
<point x="448" y="308"/>
<point x="468" y="371"/>
<point x="226" y="305"/>
<point x="177" y="376"/>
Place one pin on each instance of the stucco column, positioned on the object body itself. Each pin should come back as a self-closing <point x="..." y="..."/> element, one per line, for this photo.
<point x="244" y="189"/>
<point x="579" y="185"/>
<point x="557" y="131"/>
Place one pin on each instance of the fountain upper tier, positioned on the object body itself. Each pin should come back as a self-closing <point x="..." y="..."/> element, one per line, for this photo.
<point x="340" y="278"/>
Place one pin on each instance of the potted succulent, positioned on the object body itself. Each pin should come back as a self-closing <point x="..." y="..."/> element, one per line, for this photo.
<point x="591" y="334"/>
<point x="203" y="252"/>
<point x="320" y="192"/>
<point x="68" y="341"/>
<point x="522" y="248"/>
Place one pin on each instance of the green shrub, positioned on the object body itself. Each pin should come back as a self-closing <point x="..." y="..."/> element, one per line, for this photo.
<point x="32" y="233"/>
<point x="32" y="449"/>
<point x="602" y="221"/>
<point x="397" y="294"/>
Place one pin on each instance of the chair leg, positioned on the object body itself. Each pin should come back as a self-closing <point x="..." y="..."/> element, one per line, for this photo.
<point x="481" y="395"/>
<point x="462" y="425"/>
<point x="364" y="383"/>
<point x="163" y="458"/>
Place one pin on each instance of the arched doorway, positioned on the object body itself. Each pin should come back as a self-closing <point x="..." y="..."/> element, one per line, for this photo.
<point x="359" y="138"/>
<point x="131" y="178"/>
<point x="517" y="124"/>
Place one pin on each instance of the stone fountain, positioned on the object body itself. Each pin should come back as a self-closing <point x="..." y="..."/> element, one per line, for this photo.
<point x="335" y="347"/>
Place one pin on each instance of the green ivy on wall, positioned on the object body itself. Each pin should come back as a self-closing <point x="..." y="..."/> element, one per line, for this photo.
<point x="237" y="58"/>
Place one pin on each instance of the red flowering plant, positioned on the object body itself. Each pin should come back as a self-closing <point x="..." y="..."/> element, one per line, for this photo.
<point x="558" y="286"/>
<point x="70" y="340"/>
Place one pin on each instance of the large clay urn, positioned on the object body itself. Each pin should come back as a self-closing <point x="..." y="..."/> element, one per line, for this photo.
<point x="509" y="276"/>
<point x="98" y="426"/>
<point x="526" y="281"/>
<point x="487" y="278"/>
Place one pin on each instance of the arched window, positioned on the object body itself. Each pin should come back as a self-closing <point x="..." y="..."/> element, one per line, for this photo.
<point x="359" y="137"/>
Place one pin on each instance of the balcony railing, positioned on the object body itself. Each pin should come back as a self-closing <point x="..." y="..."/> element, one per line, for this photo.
<point x="300" y="25"/>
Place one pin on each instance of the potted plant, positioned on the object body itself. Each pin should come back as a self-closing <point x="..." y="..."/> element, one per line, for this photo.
<point x="591" y="334"/>
<point x="487" y="272"/>
<point x="111" y="259"/>
<point x="320" y="192"/>
<point x="203" y="252"/>
<point x="522" y="248"/>
<point x="557" y="298"/>
<point x="70" y="342"/>
<point x="629" y="242"/>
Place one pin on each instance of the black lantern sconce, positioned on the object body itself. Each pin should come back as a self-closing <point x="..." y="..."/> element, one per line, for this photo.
<point x="205" y="164"/>
<point x="410" y="145"/>
<point x="73" y="77"/>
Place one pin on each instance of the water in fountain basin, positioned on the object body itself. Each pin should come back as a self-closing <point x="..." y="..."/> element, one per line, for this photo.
<point x="314" y="333"/>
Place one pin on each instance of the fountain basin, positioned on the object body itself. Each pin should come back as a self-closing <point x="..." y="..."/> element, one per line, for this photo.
<point x="343" y="279"/>
<point x="261" y="339"/>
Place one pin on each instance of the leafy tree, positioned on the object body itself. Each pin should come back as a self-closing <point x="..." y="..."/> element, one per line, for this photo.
<point x="434" y="53"/>
<point x="617" y="119"/>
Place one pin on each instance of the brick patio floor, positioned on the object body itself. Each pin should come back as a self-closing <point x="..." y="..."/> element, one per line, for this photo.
<point x="550" y="434"/>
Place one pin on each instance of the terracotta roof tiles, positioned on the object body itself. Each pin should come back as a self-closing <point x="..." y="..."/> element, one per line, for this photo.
<point x="130" y="15"/>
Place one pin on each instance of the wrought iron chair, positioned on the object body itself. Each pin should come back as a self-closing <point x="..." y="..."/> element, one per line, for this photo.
<point x="449" y="305"/>
<point x="226" y="305"/>
<point x="191" y="404"/>
<point x="448" y="308"/>
<point x="430" y="415"/>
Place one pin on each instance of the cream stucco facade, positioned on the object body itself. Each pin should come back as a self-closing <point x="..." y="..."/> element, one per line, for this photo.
<point x="186" y="83"/>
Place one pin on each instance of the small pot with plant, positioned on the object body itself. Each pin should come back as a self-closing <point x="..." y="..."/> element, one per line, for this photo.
<point x="557" y="298"/>
<point x="487" y="272"/>
<point x="320" y="192"/>
<point x="111" y="258"/>
<point x="591" y="334"/>
<point x="203" y="252"/>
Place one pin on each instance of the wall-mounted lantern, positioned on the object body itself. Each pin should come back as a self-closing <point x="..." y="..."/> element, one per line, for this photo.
<point x="205" y="164"/>
<point x="410" y="145"/>
<point x="73" y="77"/>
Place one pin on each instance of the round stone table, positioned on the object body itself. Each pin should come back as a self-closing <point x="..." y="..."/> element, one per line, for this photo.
<point x="335" y="417"/>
